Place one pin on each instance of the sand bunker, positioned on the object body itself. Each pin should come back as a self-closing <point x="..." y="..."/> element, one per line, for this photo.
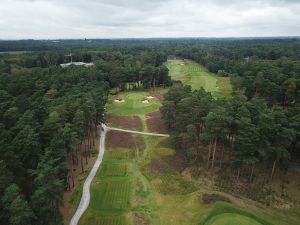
<point x="119" y="100"/>
<point x="182" y="64"/>
<point x="145" y="101"/>
<point x="149" y="97"/>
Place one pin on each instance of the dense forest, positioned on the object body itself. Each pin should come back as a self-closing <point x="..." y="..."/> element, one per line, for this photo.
<point x="257" y="129"/>
<point x="48" y="112"/>
<point x="247" y="131"/>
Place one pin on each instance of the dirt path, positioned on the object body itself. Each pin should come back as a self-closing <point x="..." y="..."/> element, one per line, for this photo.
<point x="85" y="198"/>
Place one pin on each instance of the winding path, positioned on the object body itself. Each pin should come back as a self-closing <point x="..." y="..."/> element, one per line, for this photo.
<point x="85" y="198"/>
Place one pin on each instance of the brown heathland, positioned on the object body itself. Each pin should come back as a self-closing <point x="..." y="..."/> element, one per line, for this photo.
<point x="155" y="123"/>
<point x="125" y="122"/>
<point x="125" y="140"/>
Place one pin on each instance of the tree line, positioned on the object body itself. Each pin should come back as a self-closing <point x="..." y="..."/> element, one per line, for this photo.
<point x="247" y="133"/>
<point x="45" y="114"/>
<point x="259" y="125"/>
<point x="270" y="70"/>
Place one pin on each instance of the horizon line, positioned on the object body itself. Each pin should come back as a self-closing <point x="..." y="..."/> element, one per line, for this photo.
<point x="153" y="38"/>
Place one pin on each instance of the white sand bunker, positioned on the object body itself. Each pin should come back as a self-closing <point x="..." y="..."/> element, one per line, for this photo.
<point x="119" y="100"/>
<point x="182" y="64"/>
<point x="145" y="101"/>
<point x="149" y="97"/>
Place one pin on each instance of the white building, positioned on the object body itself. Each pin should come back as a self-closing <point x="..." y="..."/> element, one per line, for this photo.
<point x="76" y="64"/>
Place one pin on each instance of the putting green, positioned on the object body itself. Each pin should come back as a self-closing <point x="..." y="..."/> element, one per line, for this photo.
<point x="192" y="73"/>
<point x="133" y="104"/>
<point x="231" y="219"/>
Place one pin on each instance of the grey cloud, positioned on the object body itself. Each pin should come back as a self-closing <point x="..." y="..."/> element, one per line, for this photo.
<point x="143" y="18"/>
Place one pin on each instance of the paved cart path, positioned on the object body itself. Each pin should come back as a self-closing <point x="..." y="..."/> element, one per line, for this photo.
<point x="85" y="198"/>
<point x="138" y="132"/>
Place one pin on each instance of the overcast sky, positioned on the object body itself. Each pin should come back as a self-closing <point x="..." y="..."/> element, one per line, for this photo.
<point x="51" y="19"/>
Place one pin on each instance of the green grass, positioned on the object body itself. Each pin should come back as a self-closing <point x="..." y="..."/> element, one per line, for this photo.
<point x="119" y="192"/>
<point x="119" y="153"/>
<point x="115" y="169"/>
<point x="231" y="219"/>
<point x="177" y="209"/>
<point x="111" y="194"/>
<point x="192" y="73"/>
<point x="176" y="198"/>
<point x="179" y="198"/>
<point x="108" y="220"/>
<point x="133" y="104"/>
<point x="125" y="186"/>
<point x="226" y="214"/>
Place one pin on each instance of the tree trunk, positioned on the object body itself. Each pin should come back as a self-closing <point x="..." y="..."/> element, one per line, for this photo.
<point x="85" y="152"/>
<point x="252" y="170"/>
<point x="81" y="161"/>
<point x="273" y="170"/>
<point x="238" y="175"/>
<point x="198" y="146"/>
<point x="222" y="155"/>
<point x="90" y="137"/>
<point x="209" y="152"/>
<point x="93" y="135"/>
<point x="72" y="170"/>
<point x="76" y="155"/>
<point x="72" y="175"/>
<point x="68" y="181"/>
<point x="214" y="152"/>
<point x="73" y="159"/>
<point x="88" y="144"/>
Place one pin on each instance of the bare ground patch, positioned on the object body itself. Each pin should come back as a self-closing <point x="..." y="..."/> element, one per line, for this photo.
<point x="120" y="139"/>
<point x="125" y="140"/>
<point x="140" y="219"/>
<point x="157" y="165"/>
<point x="177" y="161"/>
<point x="155" y="123"/>
<point x="139" y="142"/>
<point x="157" y="95"/>
<point x="125" y="122"/>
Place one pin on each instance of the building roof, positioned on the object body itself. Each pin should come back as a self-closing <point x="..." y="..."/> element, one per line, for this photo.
<point x="76" y="64"/>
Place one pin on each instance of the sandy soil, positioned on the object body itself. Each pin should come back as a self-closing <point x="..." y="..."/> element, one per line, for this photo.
<point x="119" y="100"/>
